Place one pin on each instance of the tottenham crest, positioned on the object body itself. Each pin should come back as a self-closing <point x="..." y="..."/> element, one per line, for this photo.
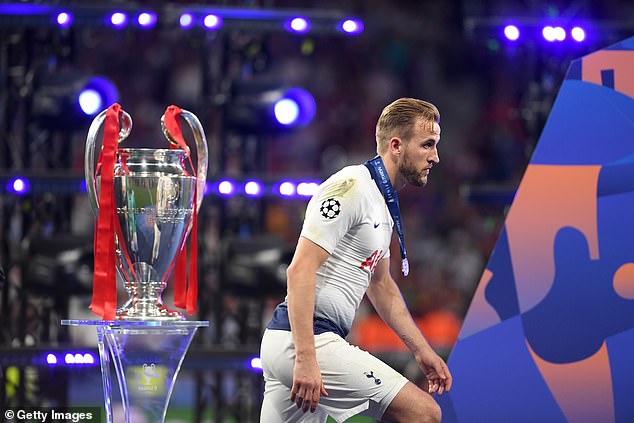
<point x="330" y="208"/>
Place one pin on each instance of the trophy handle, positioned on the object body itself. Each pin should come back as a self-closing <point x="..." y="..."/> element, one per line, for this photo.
<point x="89" y="155"/>
<point x="201" y="148"/>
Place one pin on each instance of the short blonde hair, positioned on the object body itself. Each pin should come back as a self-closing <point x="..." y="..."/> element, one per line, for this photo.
<point x="399" y="117"/>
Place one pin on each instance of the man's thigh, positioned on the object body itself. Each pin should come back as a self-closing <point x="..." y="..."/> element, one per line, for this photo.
<point x="356" y="381"/>
<point x="278" y="408"/>
<point x="360" y="382"/>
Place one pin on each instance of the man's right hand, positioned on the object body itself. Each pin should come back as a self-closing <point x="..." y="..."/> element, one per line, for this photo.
<point x="307" y="384"/>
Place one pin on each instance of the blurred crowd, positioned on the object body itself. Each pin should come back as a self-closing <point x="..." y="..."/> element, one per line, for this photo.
<point x="493" y="101"/>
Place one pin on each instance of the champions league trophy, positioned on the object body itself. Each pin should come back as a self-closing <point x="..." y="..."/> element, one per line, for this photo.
<point x="155" y="200"/>
<point x="147" y="203"/>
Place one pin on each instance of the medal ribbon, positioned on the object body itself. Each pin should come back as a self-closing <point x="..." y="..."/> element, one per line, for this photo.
<point x="380" y="177"/>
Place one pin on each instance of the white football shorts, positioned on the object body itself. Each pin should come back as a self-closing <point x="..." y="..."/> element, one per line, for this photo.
<point x="356" y="381"/>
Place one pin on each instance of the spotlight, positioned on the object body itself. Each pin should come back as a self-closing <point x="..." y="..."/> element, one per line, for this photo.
<point x="297" y="107"/>
<point x="559" y="33"/>
<point x="19" y="186"/>
<point x="64" y="19"/>
<point x="78" y="358"/>
<point x="253" y="188"/>
<point x="256" y="363"/>
<point x="65" y="99"/>
<point x="351" y="26"/>
<point x="146" y="19"/>
<point x="212" y="22"/>
<point x="51" y="359"/>
<point x="511" y="32"/>
<point x="90" y="101"/>
<point x="97" y="94"/>
<point x="549" y="33"/>
<point x="578" y="34"/>
<point x="286" y="111"/>
<point x="69" y="358"/>
<point x="186" y="20"/>
<point x="298" y="24"/>
<point x="307" y="189"/>
<point x="226" y="187"/>
<point x="266" y="108"/>
<point x="286" y="189"/>
<point x="118" y="19"/>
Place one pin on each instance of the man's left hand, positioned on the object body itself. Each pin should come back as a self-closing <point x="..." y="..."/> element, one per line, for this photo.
<point x="437" y="373"/>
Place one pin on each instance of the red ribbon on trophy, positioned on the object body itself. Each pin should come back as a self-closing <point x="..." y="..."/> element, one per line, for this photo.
<point x="104" y="296"/>
<point x="185" y="292"/>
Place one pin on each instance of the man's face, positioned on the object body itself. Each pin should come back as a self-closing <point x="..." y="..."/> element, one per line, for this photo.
<point x="420" y="153"/>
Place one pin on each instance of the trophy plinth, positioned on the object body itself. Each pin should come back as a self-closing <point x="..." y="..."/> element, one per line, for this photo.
<point x="147" y="356"/>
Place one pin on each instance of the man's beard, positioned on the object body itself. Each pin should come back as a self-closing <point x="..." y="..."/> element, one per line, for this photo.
<point x="411" y="174"/>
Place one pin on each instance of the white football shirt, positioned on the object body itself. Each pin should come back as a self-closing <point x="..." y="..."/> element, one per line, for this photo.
<point x="348" y="218"/>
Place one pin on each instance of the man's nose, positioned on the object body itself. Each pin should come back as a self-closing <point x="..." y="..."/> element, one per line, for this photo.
<point x="435" y="158"/>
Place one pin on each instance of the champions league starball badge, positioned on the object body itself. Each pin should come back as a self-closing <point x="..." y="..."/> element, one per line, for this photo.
<point x="330" y="208"/>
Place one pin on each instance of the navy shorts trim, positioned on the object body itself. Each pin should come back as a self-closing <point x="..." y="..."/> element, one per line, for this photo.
<point x="280" y="321"/>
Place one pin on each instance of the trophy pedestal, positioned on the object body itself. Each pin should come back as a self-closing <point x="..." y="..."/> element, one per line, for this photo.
<point x="147" y="356"/>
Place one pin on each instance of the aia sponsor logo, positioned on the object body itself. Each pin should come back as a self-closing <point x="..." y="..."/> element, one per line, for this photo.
<point x="372" y="261"/>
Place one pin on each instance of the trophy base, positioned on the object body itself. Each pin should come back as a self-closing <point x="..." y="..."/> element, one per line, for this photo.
<point x="137" y="310"/>
<point x="147" y="357"/>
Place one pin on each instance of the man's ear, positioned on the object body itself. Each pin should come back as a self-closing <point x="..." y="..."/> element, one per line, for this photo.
<point x="396" y="144"/>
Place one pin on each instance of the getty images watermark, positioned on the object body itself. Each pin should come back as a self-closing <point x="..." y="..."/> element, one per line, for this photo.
<point x="53" y="414"/>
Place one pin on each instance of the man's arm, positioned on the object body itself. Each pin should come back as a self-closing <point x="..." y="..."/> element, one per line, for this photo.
<point x="387" y="300"/>
<point x="307" y="383"/>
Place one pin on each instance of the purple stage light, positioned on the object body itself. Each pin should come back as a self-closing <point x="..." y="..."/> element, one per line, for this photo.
<point x="90" y="101"/>
<point x="226" y="187"/>
<point x="72" y="359"/>
<point x="186" y="20"/>
<point x="287" y="189"/>
<point x="295" y="108"/>
<point x="146" y="19"/>
<point x="511" y="32"/>
<point x="286" y="111"/>
<point x="51" y="359"/>
<point x="212" y="22"/>
<point x="96" y="95"/>
<point x="560" y="33"/>
<point x="118" y="19"/>
<point x="578" y="34"/>
<point x="307" y="189"/>
<point x="256" y="363"/>
<point x="549" y="33"/>
<point x="351" y="26"/>
<point x="298" y="24"/>
<point x="64" y="19"/>
<point x="253" y="188"/>
<point x="18" y="186"/>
